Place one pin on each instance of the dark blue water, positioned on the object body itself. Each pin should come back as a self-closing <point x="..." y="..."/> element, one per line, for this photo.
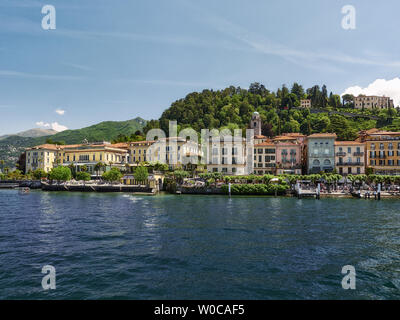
<point x="196" y="247"/>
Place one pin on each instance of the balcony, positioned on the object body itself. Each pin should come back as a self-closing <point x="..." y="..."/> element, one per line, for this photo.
<point x="340" y="154"/>
<point x="358" y="154"/>
<point x="349" y="164"/>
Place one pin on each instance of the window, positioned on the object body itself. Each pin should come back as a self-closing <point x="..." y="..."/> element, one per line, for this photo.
<point x="327" y="162"/>
<point x="215" y="169"/>
<point x="234" y="170"/>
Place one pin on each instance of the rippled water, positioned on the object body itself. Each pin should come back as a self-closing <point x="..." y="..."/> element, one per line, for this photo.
<point x="120" y="246"/>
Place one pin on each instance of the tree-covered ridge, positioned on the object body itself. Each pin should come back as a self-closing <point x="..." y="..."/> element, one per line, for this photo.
<point x="12" y="146"/>
<point x="233" y="107"/>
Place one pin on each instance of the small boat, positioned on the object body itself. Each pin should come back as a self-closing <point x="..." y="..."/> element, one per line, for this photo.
<point x="24" y="190"/>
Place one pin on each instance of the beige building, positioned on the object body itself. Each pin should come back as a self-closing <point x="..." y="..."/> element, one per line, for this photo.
<point x="177" y="152"/>
<point x="349" y="157"/>
<point x="305" y="103"/>
<point x="227" y="157"/>
<point x="41" y="157"/>
<point x="48" y="156"/>
<point x="139" y="151"/>
<point x="372" y="102"/>
<point x="265" y="158"/>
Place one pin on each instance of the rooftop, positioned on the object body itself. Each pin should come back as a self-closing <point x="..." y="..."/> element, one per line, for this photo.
<point x="322" y="135"/>
<point x="345" y="143"/>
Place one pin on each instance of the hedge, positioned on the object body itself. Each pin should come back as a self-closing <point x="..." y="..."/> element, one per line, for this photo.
<point x="255" y="189"/>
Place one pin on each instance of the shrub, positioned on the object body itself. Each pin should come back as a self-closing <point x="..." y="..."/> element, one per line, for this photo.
<point x="255" y="189"/>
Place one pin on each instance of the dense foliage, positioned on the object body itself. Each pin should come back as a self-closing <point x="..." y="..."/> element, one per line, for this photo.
<point x="233" y="107"/>
<point x="256" y="189"/>
<point x="83" y="176"/>
<point x="141" y="174"/>
<point x="60" y="174"/>
<point x="113" y="175"/>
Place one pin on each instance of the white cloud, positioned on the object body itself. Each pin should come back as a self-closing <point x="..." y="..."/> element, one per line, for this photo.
<point x="43" y="124"/>
<point x="380" y="87"/>
<point x="54" y="125"/>
<point x="60" y="112"/>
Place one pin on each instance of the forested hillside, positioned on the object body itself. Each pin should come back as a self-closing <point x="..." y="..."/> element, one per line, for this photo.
<point x="232" y="107"/>
<point x="12" y="146"/>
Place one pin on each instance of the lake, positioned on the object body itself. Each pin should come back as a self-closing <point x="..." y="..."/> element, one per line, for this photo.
<point x="122" y="246"/>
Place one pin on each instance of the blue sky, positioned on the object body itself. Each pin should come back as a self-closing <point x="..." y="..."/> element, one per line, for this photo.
<point x="117" y="60"/>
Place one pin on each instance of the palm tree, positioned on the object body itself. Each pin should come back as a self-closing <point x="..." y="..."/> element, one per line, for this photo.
<point x="98" y="167"/>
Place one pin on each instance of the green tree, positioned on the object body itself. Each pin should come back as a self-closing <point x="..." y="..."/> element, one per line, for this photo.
<point x="60" y="174"/>
<point x="141" y="174"/>
<point x="112" y="175"/>
<point x="83" y="176"/>
<point x="39" y="174"/>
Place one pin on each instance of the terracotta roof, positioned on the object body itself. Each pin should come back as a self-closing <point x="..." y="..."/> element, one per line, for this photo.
<point x="384" y="133"/>
<point x="260" y="137"/>
<point x="45" y="146"/>
<point x="120" y="145"/>
<point x="265" y="144"/>
<point x="294" y="134"/>
<point x="344" y="143"/>
<point x="284" y="138"/>
<point x="323" y="135"/>
<point x="141" y="142"/>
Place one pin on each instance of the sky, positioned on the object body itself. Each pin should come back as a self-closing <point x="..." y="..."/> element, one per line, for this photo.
<point x="118" y="60"/>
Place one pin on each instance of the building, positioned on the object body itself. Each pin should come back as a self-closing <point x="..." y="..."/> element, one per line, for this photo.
<point x="41" y="157"/>
<point x="321" y="152"/>
<point x="177" y="152"/>
<point x="227" y="157"/>
<point x="90" y="154"/>
<point x="349" y="157"/>
<point x="372" y="102"/>
<point x="264" y="158"/>
<point x="256" y="124"/>
<point x="288" y="155"/>
<point x="305" y="103"/>
<point x="383" y="152"/>
<point x="139" y="151"/>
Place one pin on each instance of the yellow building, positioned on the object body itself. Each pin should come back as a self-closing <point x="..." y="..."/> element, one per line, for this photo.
<point x="383" y="152"/>
<point x="139" y="151"/>
<point x="48" y="156"/>
<point x="349" y="157"/>
<point x="91" y="154"/>
<point x="41" y="157"/>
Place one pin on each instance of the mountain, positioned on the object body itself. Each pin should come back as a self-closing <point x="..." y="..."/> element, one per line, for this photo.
<point x="32" y="133"/>
<point x="106" y="131"/>
<point x="12" y="146"/>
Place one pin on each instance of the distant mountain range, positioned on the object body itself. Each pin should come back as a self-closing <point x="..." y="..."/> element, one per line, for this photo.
<point x="12" y="146"/>
<point x="32" y="133"/>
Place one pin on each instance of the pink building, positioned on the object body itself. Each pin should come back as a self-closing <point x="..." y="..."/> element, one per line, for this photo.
<point x="288" y="155"/>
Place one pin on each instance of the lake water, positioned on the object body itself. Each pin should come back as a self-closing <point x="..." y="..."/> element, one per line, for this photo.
<point x="120" y="246"/>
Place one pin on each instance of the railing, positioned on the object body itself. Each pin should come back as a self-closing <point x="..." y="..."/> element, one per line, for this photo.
<point x="340" y="154"/>
<point x="339" y="164"/>
<point x="358" y="154"/>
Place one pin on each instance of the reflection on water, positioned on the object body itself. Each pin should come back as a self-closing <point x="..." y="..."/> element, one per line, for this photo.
<point x="196" y="247"/>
